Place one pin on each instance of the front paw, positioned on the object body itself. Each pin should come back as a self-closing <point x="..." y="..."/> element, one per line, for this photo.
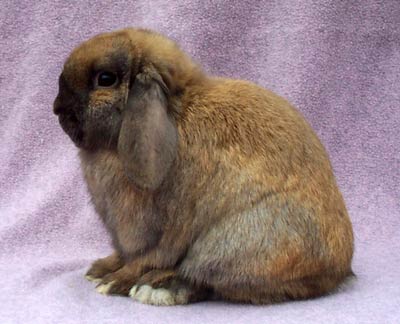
<point x="117" y="283"/>
<point x="103" y="267"/>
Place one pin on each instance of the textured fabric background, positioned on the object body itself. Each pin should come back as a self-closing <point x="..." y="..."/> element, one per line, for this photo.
<point x="337" y="61"/>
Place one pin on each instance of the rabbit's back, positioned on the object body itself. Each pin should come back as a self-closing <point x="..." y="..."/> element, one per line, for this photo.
<point x="280" y="214"/>
<point x="248" y="124"/>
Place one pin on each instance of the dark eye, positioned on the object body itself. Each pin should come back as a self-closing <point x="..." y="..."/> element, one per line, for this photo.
<point x="106" y="79"/>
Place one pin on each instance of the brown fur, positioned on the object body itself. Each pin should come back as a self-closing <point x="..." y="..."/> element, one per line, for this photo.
<point x="249" y="207"/>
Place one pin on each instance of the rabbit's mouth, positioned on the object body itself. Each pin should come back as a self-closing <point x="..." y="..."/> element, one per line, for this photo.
<point x="72" y="126"/>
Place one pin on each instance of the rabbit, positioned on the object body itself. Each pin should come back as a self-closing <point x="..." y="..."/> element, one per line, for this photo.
<point x="210" y="188"/>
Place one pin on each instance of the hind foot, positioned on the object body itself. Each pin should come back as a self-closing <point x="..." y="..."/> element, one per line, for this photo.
<point x="163" y="288"/>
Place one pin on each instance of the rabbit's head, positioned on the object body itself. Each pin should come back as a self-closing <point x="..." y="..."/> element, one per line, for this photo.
<point x="93" y="89"/>
<point x="115" y="93"/>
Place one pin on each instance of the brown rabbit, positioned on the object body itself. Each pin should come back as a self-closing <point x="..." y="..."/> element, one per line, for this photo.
<point x="209" y="187"/>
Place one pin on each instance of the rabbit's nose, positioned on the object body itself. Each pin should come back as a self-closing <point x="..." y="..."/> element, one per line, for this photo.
<point x="58" y="108"/>
<point x="62" y="106"/>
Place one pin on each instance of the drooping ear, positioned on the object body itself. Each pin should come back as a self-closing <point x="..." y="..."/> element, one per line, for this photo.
<point x="148" y="139"/>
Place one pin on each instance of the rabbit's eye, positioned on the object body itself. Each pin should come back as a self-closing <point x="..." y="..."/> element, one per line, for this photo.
<point x="106" y="79"/>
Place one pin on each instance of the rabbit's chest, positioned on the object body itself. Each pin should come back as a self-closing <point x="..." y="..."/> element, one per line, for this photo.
<point x="106" y="183"/>
<point x="126" y="212"/>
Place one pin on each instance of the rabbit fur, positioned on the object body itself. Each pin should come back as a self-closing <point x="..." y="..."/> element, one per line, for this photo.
<point x="211" y="188"/>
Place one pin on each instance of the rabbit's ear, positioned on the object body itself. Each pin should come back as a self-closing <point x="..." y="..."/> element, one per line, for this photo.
<point x="148" y="138"/>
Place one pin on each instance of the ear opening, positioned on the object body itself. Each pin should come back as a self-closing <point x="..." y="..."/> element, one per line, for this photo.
<point x="148" y="138"/>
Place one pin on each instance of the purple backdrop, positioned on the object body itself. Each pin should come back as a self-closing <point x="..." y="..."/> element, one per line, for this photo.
<point x="337" y="61"/>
